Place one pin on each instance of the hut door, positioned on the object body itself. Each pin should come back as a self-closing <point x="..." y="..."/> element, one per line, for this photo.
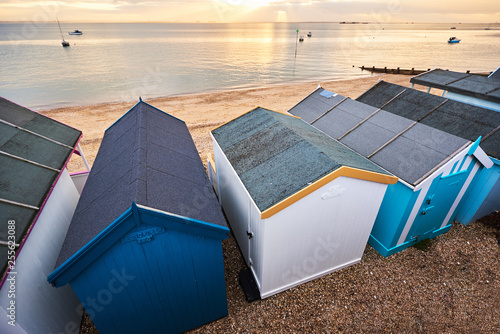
<point x="250" y="235"/>
<point x="437" y="204"/>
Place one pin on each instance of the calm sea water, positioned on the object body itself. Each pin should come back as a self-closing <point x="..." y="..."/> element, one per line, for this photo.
<point x="120" y="62"/>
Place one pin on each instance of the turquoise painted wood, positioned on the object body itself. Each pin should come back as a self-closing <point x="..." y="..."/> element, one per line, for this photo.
<point x="400" y="200"/>
<point x="394" y="212"/>
<point x="483" y="197"/>
<point x="150" y="270"/>
<point x="437" y="203"/>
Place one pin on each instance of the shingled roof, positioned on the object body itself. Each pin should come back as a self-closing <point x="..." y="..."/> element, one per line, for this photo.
<point x="457" y="118"/>
<point x="461" y="83"/>
<point x="33" y="151"/>
<point x="147" y="157"/>
<point x="405" y="148"/>
<point x="276" y="155"/>
<point x="315" y="104"/>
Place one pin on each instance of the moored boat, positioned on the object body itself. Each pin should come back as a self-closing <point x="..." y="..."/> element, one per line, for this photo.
<point x="64" y="43"/>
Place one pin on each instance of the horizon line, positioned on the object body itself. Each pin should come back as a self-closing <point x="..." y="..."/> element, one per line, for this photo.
<point x="246" y="22"/>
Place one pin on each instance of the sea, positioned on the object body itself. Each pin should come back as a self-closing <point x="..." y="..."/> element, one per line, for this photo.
<point x="114" y="62"/>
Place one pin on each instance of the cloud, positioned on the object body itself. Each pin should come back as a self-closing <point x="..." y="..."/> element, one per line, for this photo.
<point x="258" y="10"/>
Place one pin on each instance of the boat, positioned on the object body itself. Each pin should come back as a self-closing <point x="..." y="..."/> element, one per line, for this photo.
<point x="64" y="43"/>
<point x="301" y="38"/>
<point x="75" y="32"/>
<point x="309" y="34"/>
<point x="453" y="28"/>
<point x="453" y="40"/>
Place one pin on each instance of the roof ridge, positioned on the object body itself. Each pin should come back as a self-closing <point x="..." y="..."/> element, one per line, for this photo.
<point x="139" y="164"/>
<point x="139" y="103"/>
<point x="273" y="113"/>
<point x="166" y="113"/>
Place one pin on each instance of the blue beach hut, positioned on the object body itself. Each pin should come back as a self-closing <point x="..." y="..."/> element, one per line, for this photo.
<point x="460" y="119"/>
<point x="144" y="249"/>
<point x="434" y="168"/>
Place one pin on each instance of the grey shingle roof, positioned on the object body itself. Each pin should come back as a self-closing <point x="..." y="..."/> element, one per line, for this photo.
<point x="33" y="151"/>
<point x="276" y="155"/>
<point x="147" y="157"/>
<point x="315" y="105"/>
<point x="402" y="146"/>
<point x="466" y="84"/>
<point x="457" y="118"/>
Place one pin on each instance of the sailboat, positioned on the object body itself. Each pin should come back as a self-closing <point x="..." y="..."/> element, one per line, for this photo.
<point x="64" y="43"/>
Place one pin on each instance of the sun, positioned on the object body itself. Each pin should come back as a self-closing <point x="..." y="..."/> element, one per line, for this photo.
<point x="250" y="3"/>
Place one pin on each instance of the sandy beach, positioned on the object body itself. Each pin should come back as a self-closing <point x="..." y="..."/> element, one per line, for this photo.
<point x="203" y="112"/>
<point x="449" y="286"/>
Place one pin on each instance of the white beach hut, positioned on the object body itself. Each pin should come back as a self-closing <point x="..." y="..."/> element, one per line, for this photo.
<point x="37" y="199"/>
<point x="300" y="204"/>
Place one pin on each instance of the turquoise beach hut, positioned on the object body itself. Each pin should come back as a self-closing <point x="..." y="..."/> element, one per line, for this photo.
<point x="144" y="249"/>
<point x="434" y="168"/>
<point x="460" y="119"/>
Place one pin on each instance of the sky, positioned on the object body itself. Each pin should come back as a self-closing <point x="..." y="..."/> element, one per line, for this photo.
<point x="381" y="11"/>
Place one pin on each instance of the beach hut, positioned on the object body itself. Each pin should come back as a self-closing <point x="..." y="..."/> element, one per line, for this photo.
<point x="37" y="200"/>
<point x="460" y="119"/>
<point x="469" y="88"/>
<point x="434" y="168"/>
<point x="300" y="204"/>
<point x="144" y="249"/>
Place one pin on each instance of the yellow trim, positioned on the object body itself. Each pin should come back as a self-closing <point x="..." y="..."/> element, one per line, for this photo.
<point x="342" y="171"/>
<point x="212" y="162"/>
<point x="279" y="112"/>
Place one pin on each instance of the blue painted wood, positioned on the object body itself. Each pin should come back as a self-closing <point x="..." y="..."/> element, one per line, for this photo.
<point x="185" y="224"/>
<point x="123" y="294"/>
<point x="177" y="277"/>
<point x="135" y="305"/>
<point x="93" y="249"/>
<point x="122" y="225"/>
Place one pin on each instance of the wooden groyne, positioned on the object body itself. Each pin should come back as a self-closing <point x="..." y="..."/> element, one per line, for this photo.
<point x="404" y="71"/>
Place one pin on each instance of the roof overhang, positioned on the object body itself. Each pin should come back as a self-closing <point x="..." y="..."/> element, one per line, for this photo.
<point x="278" y="112"/>
<point x="342" y="171"/>
<point x="132" y="217"/>
<point x="480" y="155"/>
